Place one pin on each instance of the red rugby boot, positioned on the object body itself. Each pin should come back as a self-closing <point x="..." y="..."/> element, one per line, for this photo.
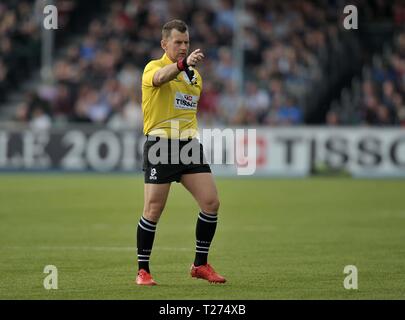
<point x="206" y="272"/>
<point x="145" y="279"/>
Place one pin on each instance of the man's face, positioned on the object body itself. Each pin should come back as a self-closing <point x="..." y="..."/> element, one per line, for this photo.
<point x="176" y="45"/>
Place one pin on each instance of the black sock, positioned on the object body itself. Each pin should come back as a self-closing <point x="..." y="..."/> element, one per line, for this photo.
<point x="205" y="230"/>
<point x="145" y="236"/>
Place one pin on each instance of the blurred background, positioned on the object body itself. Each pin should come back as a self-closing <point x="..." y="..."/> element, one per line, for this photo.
<point x="269" y="64"/>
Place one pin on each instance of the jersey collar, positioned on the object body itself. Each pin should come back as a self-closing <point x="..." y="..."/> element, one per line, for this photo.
<point x="166" y="59"/>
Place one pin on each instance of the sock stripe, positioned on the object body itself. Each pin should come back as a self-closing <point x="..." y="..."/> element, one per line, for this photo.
<point x="145" y="228"/>
<point x="144" y="255"/>
<point x="148" y="223"/>
<point x="201" y="247"/>
<point x="208" y="216"/>
<point x="205" y="220"/>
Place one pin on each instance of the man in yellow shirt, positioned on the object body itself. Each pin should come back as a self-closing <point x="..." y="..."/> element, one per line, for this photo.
<point x="171" y="89"/>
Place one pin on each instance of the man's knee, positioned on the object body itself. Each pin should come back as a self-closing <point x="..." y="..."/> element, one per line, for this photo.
<point x="153" y="211"/>
<point x="211" y="206"/>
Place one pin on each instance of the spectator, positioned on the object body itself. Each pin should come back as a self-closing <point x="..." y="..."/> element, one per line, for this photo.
<point x="289" y="113"/>
<point x="40" y="120"/>
<point x="257" y="102"/>
<point x="129" y="116"/>
<point x="230" y="103"/>
<point x="207" y="106"/>
<point x="332" y="118"/>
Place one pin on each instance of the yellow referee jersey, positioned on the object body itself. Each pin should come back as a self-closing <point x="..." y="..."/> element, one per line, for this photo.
<point x="169" y="110"/>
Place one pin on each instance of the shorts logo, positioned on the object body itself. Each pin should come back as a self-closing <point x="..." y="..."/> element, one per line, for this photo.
<point x="153" y="174"/>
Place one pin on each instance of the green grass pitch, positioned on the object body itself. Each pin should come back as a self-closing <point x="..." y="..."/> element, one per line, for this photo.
<point x="276" y="239"/>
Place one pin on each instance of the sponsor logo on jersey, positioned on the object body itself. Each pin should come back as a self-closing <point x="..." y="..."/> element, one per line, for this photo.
<point x="185" y="101"/>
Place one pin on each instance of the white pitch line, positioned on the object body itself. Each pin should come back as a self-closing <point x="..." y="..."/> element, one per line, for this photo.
<point x="96" y="248"/>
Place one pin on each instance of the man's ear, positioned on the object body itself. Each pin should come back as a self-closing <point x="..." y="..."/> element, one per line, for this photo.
<point x="163" y="44"/>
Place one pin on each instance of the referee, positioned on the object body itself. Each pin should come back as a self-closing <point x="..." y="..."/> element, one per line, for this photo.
<point x="171" y="88"/>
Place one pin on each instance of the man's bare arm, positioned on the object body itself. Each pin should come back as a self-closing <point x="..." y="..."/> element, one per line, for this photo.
<point x="165" y="74"/>
<point x="169" y="72"/>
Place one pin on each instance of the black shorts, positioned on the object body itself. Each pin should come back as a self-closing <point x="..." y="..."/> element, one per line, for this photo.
<point x="166" y="160"/>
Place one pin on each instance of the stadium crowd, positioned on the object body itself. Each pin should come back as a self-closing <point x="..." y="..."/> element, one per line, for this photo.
<point x="97" y="78"/>
<point x="379" y="99"/>
<point x="19" y="42"/>
<point x="20" y="47"/>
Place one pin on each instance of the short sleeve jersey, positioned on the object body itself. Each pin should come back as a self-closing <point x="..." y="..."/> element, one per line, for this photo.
<point x="169" y="110"/>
